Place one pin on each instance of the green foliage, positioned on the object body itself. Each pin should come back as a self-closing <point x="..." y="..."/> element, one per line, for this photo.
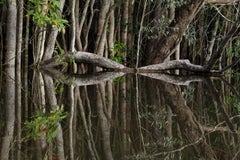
<point x="189" y="92"/>
<point x="44" y="13"/>
<point x="58" y="51"/>
<point x="191" y="34"/>
<point x="72" y="59"/>
<point x="176" y="3"/>
<point x="119" y="80"/>
<point x="161" y="28"/>
<point x="2" y="1"/>
<point x="234" y="49"/>
<point x="59" y="87"/>
<point x="119" y="52"/>
<point x="233" y="101"/>
<point x="44" y="124"/>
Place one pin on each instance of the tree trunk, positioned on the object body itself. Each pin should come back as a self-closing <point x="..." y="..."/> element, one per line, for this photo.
<point x="9" y="78"/>
<point x="18" y="77"/>
<point x="50" y="45"/>
<point x="184" y="15"/>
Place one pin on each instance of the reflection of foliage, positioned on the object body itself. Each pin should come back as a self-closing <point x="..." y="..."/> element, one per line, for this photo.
<point x="189" y="92"/>
<point x="119" y="80"/>
<point x="44" y="125"/>
<point x="176" y="3"/>
<point x="119" y="52"/>
<point x="233" y="101"/>
<point x="234" y="49"/>
<point x="46" y="13"/>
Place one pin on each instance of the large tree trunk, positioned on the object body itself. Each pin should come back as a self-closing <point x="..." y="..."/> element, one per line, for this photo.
<point x="190" y="128"/>
<point x="162" y="47"/>
<point x="9" y="84"/>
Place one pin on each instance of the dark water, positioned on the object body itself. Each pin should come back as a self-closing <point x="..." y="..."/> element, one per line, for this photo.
<point x="119" y="116"/>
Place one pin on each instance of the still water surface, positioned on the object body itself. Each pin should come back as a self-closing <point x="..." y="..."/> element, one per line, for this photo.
<point x="118" y="116"/>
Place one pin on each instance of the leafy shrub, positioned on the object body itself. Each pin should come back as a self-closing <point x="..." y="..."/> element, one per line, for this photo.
<point x="44" y="125"/>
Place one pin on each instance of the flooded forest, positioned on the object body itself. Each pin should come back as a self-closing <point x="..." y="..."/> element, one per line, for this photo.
<point x="119" y="79"/>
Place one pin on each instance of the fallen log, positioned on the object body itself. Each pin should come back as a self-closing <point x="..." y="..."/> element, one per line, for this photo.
<point x="90" y="58"/>
<point x="171" y="65"/>
<point x="82" y="57"/>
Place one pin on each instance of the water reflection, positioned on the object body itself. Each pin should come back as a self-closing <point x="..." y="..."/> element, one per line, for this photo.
<point x="117" y="116"/>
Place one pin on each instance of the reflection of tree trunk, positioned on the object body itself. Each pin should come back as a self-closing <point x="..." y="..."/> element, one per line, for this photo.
<point x="123" y="107"/>
<point x="189" y="126"/>
<point x="52" y="101"/>
<point x="104" y="123"/>
<point x="139" y="124"/>
<point x="221" y="109"/>
<point x="83" y="80"/>
<point x="39" y="103"/>
<point x="9" y="104"/>
<point x="9" y="78"/>
<point x="71" y="115"/>
<point x="89" y="137"/>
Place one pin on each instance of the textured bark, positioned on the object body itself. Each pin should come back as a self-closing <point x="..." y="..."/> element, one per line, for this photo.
<point x="86" y="57"/>
<point x="83" y="57"/>
<point x="171" y="65"/>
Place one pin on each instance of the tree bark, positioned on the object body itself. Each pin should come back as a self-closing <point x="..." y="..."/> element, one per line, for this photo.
<point x="9" y="78"/>
<point x="184" y="15"/>
<point x="52" y="102"/>
<point x="18" y="77"/>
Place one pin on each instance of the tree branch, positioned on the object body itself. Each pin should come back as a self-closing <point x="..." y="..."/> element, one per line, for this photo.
<point x="216" y="55"/>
